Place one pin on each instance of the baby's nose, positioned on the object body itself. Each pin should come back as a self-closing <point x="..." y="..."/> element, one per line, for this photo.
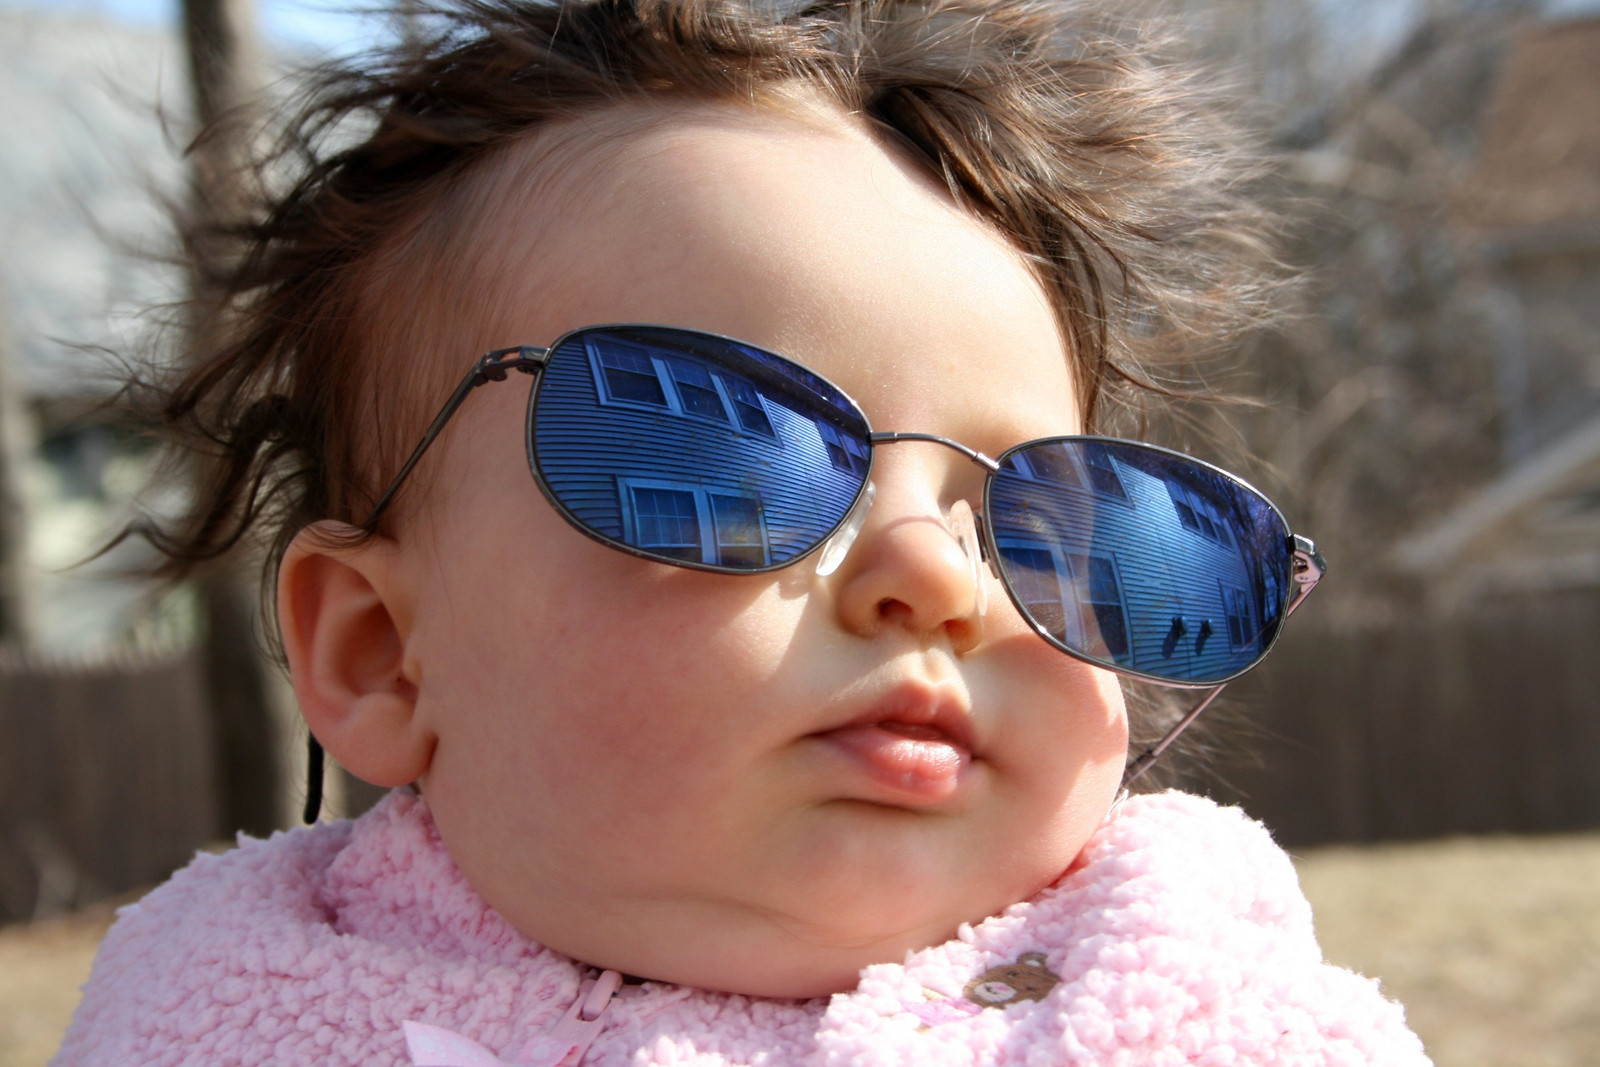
<point x="913" y="566"/>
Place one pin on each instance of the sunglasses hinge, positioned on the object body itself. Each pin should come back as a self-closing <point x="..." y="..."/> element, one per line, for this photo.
<point x="1309" y="566"/>
<point x="494" y="366"/>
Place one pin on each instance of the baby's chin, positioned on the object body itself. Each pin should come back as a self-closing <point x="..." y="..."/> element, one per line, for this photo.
<point x="795" y="954"/>
<point x="782" y="969"/>
<point x="799" y="930"/>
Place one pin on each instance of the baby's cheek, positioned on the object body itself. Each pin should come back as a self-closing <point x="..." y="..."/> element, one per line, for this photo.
<point x="669" y="741"/>
<point x="1063" y="764"/>
<point x="633" y="750"/>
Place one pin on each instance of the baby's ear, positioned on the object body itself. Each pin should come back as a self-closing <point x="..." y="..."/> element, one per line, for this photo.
<point x="344" y="612"/>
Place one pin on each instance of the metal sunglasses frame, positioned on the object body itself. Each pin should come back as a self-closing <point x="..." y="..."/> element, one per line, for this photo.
<point x="494" y="366"/>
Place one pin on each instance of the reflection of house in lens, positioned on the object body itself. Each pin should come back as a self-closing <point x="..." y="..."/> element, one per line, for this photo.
<point x="696" y="448"/>
<point x="1135" y="556"/>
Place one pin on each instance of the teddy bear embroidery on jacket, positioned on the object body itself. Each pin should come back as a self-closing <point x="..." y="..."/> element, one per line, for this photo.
<point x="1010" y="983"/>
<point x="1026" y="979"/>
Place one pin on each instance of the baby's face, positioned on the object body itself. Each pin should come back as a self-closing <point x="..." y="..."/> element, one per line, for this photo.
<point x="702" y="778"/>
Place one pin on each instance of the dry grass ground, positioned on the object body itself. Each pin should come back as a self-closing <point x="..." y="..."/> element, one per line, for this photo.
<point x="1492" y="944"/>
<point x="42" y="965"/>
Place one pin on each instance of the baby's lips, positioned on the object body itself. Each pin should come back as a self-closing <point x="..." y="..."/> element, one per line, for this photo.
<point x="923" y="710"/>
<point x="915" y="762"/>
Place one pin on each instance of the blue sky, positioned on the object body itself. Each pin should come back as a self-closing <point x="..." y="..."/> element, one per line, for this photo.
<point x="328" y="25"/>
<point x="339" y="25"/>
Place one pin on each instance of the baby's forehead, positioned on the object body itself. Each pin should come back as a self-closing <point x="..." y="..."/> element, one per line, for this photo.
<point x="600" y="218"/>
<point x="498" y="241"/>
<point x="639" y="184"/>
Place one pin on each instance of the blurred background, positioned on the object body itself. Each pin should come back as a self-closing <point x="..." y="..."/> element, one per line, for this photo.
<point x="1424" y="738"/>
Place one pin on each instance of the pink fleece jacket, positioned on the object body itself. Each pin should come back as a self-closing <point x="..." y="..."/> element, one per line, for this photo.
<point x="1181" y="937"/>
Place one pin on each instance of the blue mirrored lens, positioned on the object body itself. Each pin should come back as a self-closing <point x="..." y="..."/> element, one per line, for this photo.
<point x="694" y="448"/>
<point x="1140" y="558"/>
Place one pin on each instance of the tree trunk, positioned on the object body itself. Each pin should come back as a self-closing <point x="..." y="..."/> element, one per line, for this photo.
<point x="16" y="590"/>
<point x="225" y="76"/>
<point x="408" y="13"/>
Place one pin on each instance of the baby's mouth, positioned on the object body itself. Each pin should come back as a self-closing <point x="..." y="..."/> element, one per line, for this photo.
<point x="919" y="762"/>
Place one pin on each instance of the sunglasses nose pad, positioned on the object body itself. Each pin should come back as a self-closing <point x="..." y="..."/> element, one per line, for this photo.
<point x="983" y="546"/>
<point x="963" y="526"/>
<point x="838" y="546"/>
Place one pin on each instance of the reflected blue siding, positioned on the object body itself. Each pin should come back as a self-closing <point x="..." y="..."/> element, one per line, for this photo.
<point x="1175" y="571"/>
<point x="799" y="489"/>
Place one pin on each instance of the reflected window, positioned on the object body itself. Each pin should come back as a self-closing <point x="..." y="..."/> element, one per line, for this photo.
<point x="845" y="451"/>
<point x="696" y="524"/>
<point x="747" y="404"/>
<point x="1271" y="592"/>
<point x="1051" y="463"/>
<point x="1103" y="474"/>
<point x="1034" y="576"/>
<point x="1241" y="631"/>
<point x="1198" y="514"/>
<point x="696" y="389"/>
<point x="667" y="522"/>
<point x="1085" y="611"/>
<point x="1185" y="512"/>
<point x="630" y="374"/>
<point x="740" y="539"/>
<point x="1102" y="608"/>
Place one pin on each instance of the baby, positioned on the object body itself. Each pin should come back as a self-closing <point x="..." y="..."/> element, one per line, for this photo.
<point x="748" y="649"/>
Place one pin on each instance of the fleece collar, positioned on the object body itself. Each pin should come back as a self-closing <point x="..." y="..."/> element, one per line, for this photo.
<point x="1180" y="936"/>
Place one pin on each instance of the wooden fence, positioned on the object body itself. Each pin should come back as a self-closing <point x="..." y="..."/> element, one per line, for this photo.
<point x="1485" y="722"/>
<point x="106" y="776"/>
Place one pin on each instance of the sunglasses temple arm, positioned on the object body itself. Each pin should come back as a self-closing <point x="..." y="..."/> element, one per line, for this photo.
<point x="1136" y="769"/>
<point x="1309" y="567"/>
<point x="490" y="367"/>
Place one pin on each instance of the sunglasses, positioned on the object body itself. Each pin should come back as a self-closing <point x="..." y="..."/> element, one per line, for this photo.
<point x="699" y="451"/>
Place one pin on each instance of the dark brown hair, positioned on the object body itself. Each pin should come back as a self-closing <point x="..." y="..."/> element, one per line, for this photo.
<point x="1057" y="121"/>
